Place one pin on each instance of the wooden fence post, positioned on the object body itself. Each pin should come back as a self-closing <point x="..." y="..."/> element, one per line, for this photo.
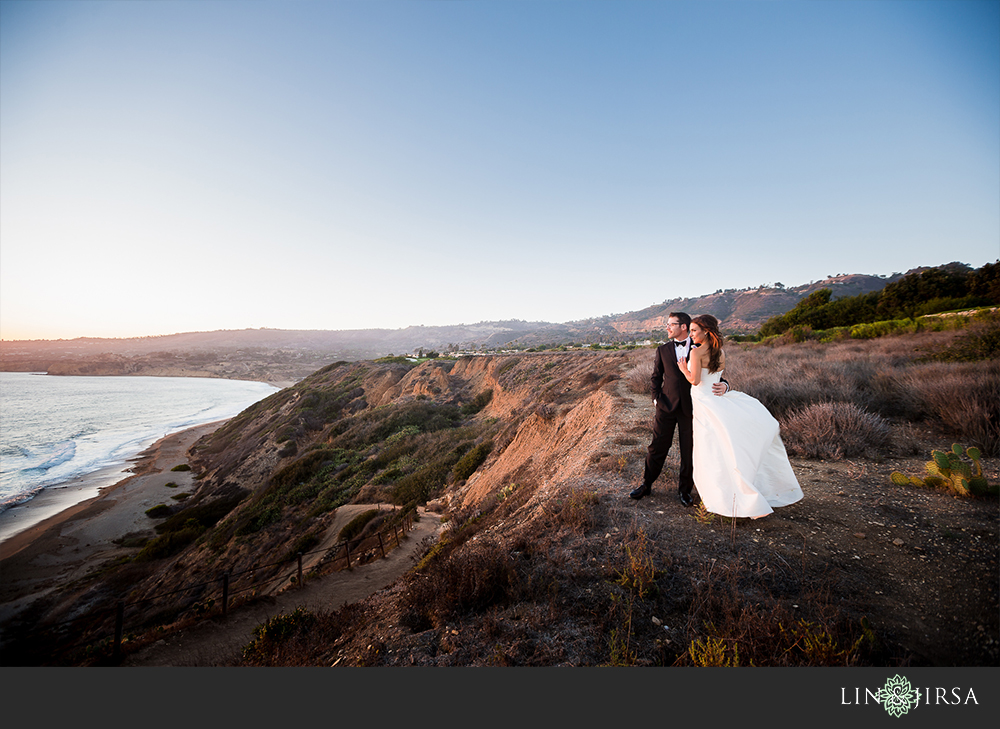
<point x="380" y="545"/>
<point x="300" y="571"/>
<point x="119" y="627"/>
<point x="347" y="548"/>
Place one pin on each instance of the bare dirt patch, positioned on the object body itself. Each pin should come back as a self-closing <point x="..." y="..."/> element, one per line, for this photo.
<point x="920" y="565"/>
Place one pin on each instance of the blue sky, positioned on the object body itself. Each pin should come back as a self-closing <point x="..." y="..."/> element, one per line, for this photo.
<point x="172" y="166"/>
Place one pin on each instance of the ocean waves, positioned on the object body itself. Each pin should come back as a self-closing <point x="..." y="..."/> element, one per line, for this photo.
<point x="60" y="453"/>
<point x="55" y="429"/>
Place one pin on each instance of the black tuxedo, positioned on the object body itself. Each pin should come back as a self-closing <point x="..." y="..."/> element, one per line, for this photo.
<point x="672" y="393"/>
<point x="669" y="387"/>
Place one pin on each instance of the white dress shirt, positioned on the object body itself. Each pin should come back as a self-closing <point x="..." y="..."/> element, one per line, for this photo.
<point x="684" y="351"/>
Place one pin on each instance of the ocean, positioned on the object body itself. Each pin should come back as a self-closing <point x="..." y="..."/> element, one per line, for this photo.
<point x="54" y="429"/>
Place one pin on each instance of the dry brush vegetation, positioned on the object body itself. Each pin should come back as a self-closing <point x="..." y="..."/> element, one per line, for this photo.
<point x="545" y="561"/>
<point x="861" y="572"/>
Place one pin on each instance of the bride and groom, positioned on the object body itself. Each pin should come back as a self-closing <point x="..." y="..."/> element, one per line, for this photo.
<point x="729" y="442"/>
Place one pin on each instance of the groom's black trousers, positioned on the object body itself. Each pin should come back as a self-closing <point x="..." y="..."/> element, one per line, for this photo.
<point x="664" y="424"/>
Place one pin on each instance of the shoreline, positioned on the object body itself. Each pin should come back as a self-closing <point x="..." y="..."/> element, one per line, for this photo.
<point x="72" y="537"/>
<point x="53" y="500"/>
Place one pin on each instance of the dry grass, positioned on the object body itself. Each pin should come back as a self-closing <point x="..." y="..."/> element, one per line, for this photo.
<point x="850" y="390"/>
<point x="584" y="576"/>
<point x="638" y="378"/>
<point x="835" y="430"/>
<point x="736" y="620"/>
<point x="886" y="378"/>
<point x="962" y="397"/>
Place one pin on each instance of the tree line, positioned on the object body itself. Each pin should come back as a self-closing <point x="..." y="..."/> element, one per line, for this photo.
<point x="919" y="293"/>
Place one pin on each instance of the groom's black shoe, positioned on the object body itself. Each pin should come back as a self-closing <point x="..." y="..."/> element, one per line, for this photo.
<point x="686" y="499"/>
<point x="644" y="490"/>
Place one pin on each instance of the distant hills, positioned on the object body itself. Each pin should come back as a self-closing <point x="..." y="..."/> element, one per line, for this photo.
<point x="740" y="310"/>
<point x="285" y="356"/>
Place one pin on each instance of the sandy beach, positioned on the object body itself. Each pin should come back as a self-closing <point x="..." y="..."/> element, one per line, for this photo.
<point x="56" y="537"/>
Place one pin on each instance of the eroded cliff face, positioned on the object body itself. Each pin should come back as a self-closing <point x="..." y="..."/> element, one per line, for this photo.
<point x="550" y="395"/>
<point x="378" y="432"/>
<point x="546" y="449"/>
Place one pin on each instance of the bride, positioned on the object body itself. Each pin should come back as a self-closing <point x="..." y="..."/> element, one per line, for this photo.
<point x="740" y="464"/>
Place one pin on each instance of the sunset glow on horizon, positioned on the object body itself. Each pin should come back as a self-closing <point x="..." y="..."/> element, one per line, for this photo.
<point x="171" y="167"/>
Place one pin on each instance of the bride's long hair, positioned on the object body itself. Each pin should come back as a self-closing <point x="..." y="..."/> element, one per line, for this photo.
<point x="713" y="341"/>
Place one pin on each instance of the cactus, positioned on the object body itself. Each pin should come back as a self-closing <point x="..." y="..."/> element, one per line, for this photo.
<point x="947" y="470"/>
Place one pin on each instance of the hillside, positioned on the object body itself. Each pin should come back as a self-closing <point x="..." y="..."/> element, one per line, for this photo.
<point x="272" y="355"/>
<point x="744" y="310"/>
<point x="286" y="356"/>
<point x="544" y="560"/>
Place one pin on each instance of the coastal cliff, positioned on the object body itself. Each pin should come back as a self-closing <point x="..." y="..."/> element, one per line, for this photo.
<point x="269" y="482"/>
<point x="543" y="559"/>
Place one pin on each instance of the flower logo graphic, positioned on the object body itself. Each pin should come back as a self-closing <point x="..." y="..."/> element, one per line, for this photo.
<point x="898" y="696"/>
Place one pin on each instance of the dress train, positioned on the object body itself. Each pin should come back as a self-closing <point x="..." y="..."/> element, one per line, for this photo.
<point x="740" y="465"/>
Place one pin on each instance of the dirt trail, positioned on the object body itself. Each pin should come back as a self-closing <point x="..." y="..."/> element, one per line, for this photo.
<point x="218" y="641"/>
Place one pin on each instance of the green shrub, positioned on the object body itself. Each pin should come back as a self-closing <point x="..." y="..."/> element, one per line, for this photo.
<point x="506" y="365"/>
<point x="259" y="519"/>
<point x="422" y="483"/>
<point x="159" y="511"/>
<point x="405" y="432"/>
<point x="943" y="304"/>
<point x="181" y="467"/>
<point x="797" y="334"/>
<point x="877" y="329"/>
<point x="477" y="403"/>
<point x="377" y="425"/>
<point x="472" y="460"/>
<point x="206" y="513"/>
<point x="980" y="342"/>
<point x="170" y="543"/>
<point x="278" y="629"/>
<point x="356" y="525"/>
<point x="302" y="545"/>
<point x="304" y="468"/>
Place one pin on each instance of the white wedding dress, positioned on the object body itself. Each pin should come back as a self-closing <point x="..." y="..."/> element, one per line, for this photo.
<point x="740" y="464"/>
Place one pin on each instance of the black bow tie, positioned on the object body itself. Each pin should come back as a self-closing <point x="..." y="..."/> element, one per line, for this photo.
<point x="680" y="344"/>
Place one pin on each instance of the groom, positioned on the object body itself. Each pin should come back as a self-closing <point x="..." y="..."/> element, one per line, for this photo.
<point x="672" y="399"/>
